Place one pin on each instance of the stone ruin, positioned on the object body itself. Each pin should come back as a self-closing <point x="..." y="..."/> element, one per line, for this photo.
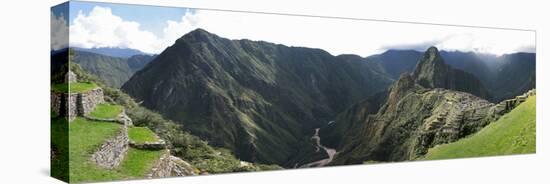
<point x="71" y="104"/>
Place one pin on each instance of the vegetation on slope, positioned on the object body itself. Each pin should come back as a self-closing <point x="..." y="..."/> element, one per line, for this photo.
<point x="513" y="133"/>
<point x="204" y="157"/>
<point x="257" y="99"/>
<point x="113" y="71"/>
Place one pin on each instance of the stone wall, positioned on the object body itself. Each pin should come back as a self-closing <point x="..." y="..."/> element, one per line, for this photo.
<point x="71" y="105"/>
<point x="64" y="104"/>
<point x="56" y="101"/>
<point x="75" y="104"/>
<point x="112" y="152"/>
<point x="508" y="105"/>
<point x="87" y="101"/>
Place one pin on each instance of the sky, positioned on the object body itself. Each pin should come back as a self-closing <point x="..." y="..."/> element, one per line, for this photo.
<point x="151" y="29"/>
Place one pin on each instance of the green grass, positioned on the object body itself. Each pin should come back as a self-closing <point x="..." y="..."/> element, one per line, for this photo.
<point x="139" y="162"/>
<point x="86" y="137"/>
<point x="141" y="135"/>
<point x="513" y="133"/>
<point x="73" y="87"/>
<point x="60" y="145"/>
<point x="106" y="110"/>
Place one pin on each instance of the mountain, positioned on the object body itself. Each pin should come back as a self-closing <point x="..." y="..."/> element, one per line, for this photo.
<point x="112" y="51"/>
<point x="491" y="70"/>
<point x="417" y="113"/>
<point x="260" y="100"/>
<point x="114" y="71"/>
<point x="137" y="62"/>
<point x="432" y="72"/>
<point x="396" y="62"/>
<point x="59" y="64"/>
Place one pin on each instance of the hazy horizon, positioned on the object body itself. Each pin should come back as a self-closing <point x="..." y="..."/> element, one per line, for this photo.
<point x="152" y="34"/>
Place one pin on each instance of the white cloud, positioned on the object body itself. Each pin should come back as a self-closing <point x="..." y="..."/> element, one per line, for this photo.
<point x="342" y="36"/>
<point x="100" y="28"/>
<point x="337" y="36"/>
<point x="59" y="32"/>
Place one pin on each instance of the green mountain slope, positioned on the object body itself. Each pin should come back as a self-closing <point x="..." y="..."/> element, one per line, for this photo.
<point x="113" y="71"/>
<point x="421" y="110"/>
<point x="513" y="133"/>
<point x="256" y="98"/>
<point x="197" y="152"/>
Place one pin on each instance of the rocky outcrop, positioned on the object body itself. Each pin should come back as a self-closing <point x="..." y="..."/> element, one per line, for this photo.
<point x="158" y="145"/>
<point x="70" y="77"/>
<point x="113" y="151"/>
<point x="432" y="72"/>
<point x="171" y="166"/>
<point x="412" y="121"/>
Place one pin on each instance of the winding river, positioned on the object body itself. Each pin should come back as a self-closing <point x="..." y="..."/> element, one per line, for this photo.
<point x="330" y="152"/>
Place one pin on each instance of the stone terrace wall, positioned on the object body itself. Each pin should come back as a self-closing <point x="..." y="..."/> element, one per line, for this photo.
<point x="112" y="152"/>
<point x="76" y="104"/>
<point x="87" y="101"/>
<point x="63" y="104"/>
<point x="508" y="105"/>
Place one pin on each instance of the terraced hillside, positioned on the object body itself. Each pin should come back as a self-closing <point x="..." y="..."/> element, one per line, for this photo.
<point x="513" y="133"/>
<point x="106" y="144"/>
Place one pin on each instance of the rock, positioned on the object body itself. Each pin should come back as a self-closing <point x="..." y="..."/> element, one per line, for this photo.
<point x="112" y="152"/>
<point x="432" y="72"/>
<point x="170" y="166"/>
<point x="70" y="77"/>
<point x="159" y="145"/>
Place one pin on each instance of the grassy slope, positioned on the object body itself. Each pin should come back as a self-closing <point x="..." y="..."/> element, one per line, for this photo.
<point x="86" y="137"/>
<point x="141" y="135"/>
<point x="513" y="133"/>
<point x="106" y="110"/>
<point x="59" y="143"/>
<point x="186" y="146"/>
<point x="74" y="87"/>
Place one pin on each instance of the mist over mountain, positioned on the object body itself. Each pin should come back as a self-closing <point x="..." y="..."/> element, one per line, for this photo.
<point x="504" y="76"/>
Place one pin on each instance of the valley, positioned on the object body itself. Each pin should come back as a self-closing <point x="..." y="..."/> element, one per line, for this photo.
<point x="264" y="103"/>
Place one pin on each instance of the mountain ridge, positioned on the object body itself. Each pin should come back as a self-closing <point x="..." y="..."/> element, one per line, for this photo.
<point x="256" y="98"/>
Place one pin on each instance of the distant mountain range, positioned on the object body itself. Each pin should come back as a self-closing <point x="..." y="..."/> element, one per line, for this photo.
<point x="504" y="76"/>
<point x="263" y="100"/>
<point x="114" y="71"/>
<point x="113" y="52"/>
